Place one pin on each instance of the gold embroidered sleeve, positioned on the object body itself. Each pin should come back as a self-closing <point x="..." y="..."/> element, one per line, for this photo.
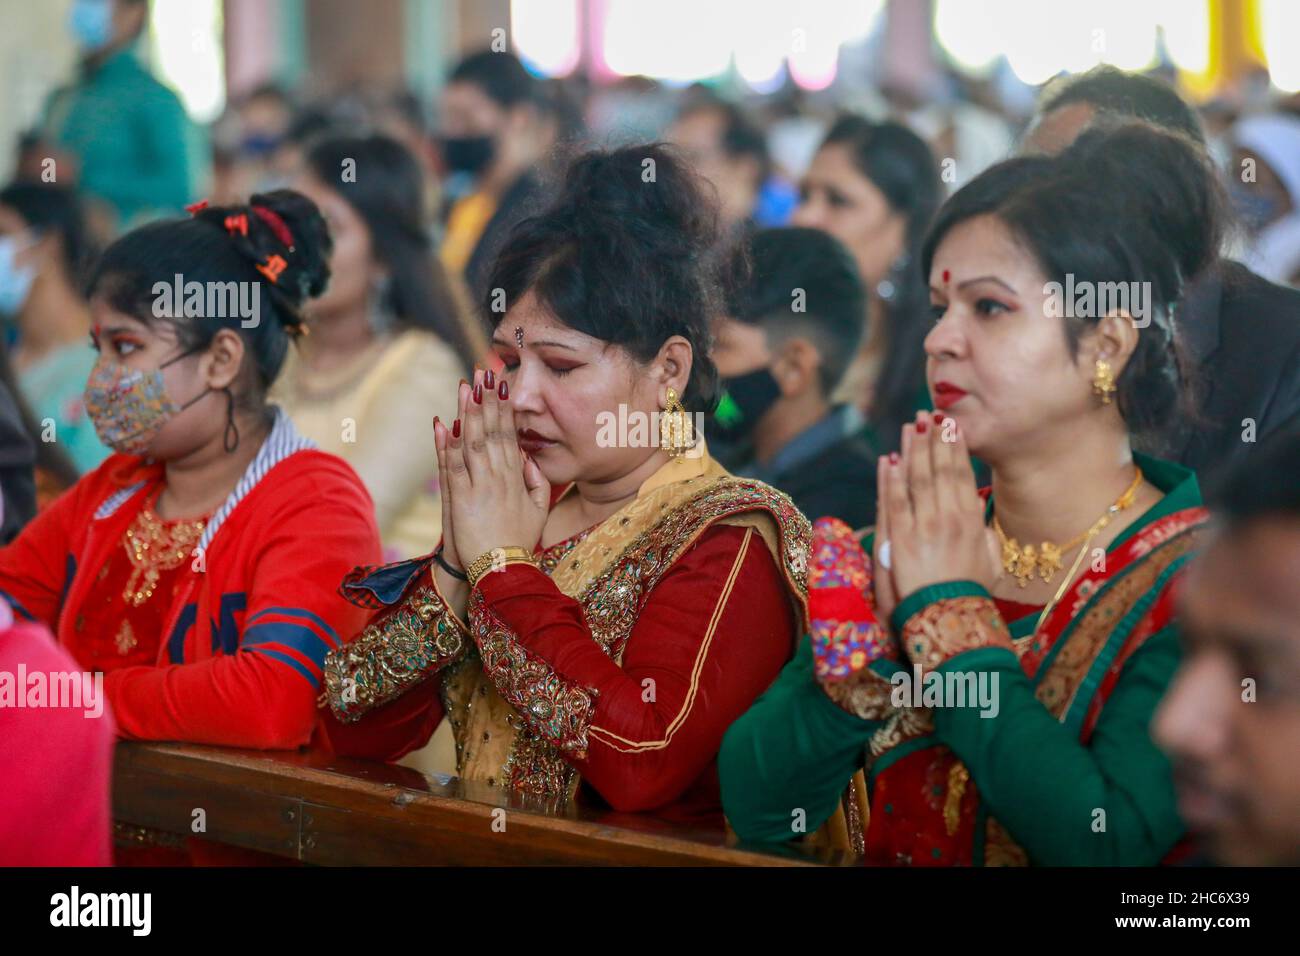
<point x="949" y="626"/>
<point x="866" y="694"/>
<point x="402" y="646"/>
<point x="556" y="708"/>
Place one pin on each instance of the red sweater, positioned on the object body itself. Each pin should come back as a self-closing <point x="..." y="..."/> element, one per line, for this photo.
<point x="239" y="662"/>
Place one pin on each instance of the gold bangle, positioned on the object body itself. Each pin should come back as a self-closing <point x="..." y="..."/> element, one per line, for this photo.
<point x="496" y="559"/>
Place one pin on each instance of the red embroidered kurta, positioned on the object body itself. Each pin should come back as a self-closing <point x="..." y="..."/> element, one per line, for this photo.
<point x="642" y="729"/>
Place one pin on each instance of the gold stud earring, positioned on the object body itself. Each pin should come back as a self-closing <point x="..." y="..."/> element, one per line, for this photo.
<point x="1103" y="381"/>
<point x="675" y="428"/>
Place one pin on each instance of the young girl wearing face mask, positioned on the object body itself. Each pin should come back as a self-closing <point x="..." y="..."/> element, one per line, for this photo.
<point x="197" y="568"/>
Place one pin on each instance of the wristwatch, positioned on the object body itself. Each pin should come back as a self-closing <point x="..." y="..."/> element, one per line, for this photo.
<point x="495" y="560"/>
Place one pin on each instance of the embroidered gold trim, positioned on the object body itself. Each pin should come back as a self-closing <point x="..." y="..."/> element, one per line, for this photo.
<point x="865" y="694"/>
<point x="404" y="646"/>
<point x="635" y="746"/>
<point x="948" y="627"/>
<point x="553" y="707"/>
<point x="618" y="583"/>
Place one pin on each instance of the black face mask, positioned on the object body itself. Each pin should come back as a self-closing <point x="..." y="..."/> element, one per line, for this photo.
<point x="468" y="154"/>
<point x="745" y="399"/>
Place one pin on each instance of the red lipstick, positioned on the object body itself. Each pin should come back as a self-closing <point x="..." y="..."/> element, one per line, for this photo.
<point x="946" y="395"/>
<point x="532" y="442"/>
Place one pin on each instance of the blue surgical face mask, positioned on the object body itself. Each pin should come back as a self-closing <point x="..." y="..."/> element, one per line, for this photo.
<point x="91" y="24"/>
<point x="1255" y="210"/>
<point x="15" y="280"/>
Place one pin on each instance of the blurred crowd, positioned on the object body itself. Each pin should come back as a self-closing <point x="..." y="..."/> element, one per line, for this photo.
<point x="418" y="194"/>
<point x="827" y="213"/>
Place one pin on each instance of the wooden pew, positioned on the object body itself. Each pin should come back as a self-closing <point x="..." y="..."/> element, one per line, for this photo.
<point x="322" y="809"/>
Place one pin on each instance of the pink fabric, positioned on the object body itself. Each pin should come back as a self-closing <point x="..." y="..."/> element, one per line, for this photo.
<point x="55" y="762"/>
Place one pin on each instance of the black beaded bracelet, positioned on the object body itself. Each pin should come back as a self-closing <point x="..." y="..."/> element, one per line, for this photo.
<point x="442" y="563"/>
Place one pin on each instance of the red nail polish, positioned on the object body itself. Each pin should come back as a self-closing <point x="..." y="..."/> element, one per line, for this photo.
<point x="455" y="428"/>
<point x="503" y="391"/>
<point x="893" y="457"/>
<point x="938" y="418"/>
<point x="489" y="380"/>
<point x="921" y="426"/>
<point x="478" y="394"/>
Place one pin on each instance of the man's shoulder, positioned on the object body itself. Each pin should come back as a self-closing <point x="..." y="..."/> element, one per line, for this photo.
<point x="1251" y="302"/>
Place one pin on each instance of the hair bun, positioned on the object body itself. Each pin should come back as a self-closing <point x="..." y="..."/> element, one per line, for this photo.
<point x="646" y="195"/>
<point x="284" y="237"/>
<point x="1173" y="189"/>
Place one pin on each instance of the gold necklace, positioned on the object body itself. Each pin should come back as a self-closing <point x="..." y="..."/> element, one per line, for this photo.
<point x="1045" y="560"/>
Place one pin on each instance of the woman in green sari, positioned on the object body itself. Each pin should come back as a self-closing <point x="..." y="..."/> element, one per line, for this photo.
<point x="991" y="659"/>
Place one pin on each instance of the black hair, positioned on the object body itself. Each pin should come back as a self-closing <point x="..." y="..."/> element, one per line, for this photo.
<point x="220" y="245"/>
<point x="501" y="76"/>
<point x="1129" y="204"/>
<point x="269" y="90"/>
<point x="623" y="254"/>
<point x="1113" y="91"/>
<point x="388" y="193"/>
<point x="900" y="164"/>
<point x="311" y="123"/>
<point x="741" y="136"/>
<point x="761" y="288"/>
<point x="54" y="208"/>
<point x="1265" y="484"/>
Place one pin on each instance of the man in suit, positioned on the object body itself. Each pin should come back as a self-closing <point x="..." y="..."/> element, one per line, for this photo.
<point x="1240" y="331"/>
<point x="795" y="314"/>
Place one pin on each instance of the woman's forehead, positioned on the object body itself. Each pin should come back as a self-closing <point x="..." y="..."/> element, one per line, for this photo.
<point x="105" y="317"/>
<point x="532" y="322"/>
<point x="982" y="245"/>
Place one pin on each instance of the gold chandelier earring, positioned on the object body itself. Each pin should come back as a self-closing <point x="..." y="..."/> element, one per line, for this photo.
<point x="676" y="433"/>
<point x="1103" y="381"/>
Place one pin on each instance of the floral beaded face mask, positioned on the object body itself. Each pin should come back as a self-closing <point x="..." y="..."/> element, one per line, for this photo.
<point x="130" y="407"/>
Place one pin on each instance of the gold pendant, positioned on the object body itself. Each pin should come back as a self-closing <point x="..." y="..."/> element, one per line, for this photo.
<point x="1049" y="561"/>
<point x="1019" y="562"/>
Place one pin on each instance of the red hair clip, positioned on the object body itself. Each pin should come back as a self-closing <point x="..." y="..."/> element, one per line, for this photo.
<point x="195" y="208"/>
<point x="237" y="224"/>
<point x="272" y="268"/>
<point x="273" y="220"/>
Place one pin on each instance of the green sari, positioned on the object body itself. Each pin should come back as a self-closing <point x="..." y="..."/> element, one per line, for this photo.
<point x="1055" y="767"/>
